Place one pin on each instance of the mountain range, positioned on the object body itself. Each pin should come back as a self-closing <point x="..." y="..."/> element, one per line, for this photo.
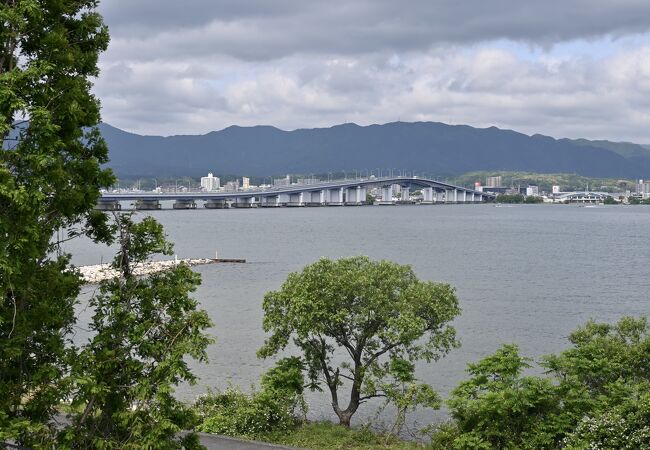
<point x="424" y="147"/>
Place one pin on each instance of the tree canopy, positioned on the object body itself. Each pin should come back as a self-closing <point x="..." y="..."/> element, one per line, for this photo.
<point x="360" y="322"/>
<point x="50" y="175"/>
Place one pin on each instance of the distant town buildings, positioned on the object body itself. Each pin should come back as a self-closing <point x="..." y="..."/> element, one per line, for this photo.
<point x="643" y="188"/>
<point x="210" y="183"/>
<point x="493" y="181"/>
<point x="555" y="189"/>
<point x="532" y="190"/>
<point x="245" y="183"/>
<point x="231" y="186"/>
<point x="286" y="181"/>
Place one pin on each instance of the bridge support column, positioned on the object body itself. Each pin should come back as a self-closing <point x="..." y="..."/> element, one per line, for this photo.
<point x="334" y="197"/>
<point x="405" y="196"/>
<point x="244" y="202"/>
<point x="427" y="196"/>
<point x="296" y="199"/>
<point x="353" y="196"/>
<point x="463" y="196"/>
<point x="386" y="195"/>
<point x="313" y="198"/>
<point x="440" y="197"/>
<point x="269" y="201"/>
<point x="184" y="204"/>
<point x="216" y="204"/>
<point x="147" y="205"/>
<point x="471" y="197"/>
<point x="108" y="205"/>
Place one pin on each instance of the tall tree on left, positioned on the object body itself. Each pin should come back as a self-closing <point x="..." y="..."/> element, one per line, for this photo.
<point x="50" y="175"/>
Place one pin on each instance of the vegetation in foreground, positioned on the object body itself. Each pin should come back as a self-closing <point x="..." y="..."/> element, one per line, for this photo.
<point x="595" y="395"/>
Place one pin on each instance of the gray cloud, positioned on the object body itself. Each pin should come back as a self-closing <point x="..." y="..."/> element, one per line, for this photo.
<point x="200" y="65"/>
<point x="263" y="30"/>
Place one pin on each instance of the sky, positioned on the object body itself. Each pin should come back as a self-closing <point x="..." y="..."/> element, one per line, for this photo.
<point x="564" y="68"/>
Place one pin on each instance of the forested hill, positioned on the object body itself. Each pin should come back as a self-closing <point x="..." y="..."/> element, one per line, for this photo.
<point x="430" y="147"/>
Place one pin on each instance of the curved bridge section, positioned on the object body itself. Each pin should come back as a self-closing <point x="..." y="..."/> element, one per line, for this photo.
<point x="391" y="190"/>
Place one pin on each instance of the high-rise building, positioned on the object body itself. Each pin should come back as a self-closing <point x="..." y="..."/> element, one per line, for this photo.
<point x="556" y="189"/>
<point x="643" y="188"/>
<point x="493" y="181"/>
<point x="245" y="182"/>
<point x="210" y="183"/>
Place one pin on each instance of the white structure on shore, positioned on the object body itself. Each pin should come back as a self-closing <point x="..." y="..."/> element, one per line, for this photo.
<point x="643" y="188"/>
<point x="210" y="183"/>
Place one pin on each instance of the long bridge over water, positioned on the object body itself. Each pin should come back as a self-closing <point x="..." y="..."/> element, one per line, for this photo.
<point x="330" y="193"/>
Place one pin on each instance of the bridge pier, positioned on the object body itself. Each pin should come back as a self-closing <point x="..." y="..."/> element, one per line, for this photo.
<point x="147" y="205"/>
<point x="334" y="197"/>
<point x="405" y="195"/>
<point x="355" y="196"/>
<point x="216" y="204"/>
<point x="296" y="199"/>
<point x="244" y="202"/>
<point x="386" y="195"/>
<point x="314" y="198"/>
<point x="184" y="204"/>
<point x="463" y="196"/>
<point x="108" y="205"/>
<point x="270" y="201"/>
<point x="427" y="196"/>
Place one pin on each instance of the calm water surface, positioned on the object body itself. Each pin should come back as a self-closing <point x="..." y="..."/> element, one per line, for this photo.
<point x="527" y="274"/>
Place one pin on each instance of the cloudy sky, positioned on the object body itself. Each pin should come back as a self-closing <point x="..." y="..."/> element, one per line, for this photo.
<point x="566" y="68"/>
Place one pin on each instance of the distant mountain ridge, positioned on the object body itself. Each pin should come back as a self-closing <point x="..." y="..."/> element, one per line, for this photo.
<point x="430" y="147"/>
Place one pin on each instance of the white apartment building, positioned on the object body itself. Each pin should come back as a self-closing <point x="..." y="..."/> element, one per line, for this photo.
<point x="245" y="183"/>
<point x="643" y="188"/>
<point x="532" y="191"/>
<point x="210" y="183"/>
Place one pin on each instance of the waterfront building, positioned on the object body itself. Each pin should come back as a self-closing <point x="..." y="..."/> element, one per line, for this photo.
<point x="493" y="181"/>
<point x="643" y="188"/>
<point x="555" y="189"/>
<point x="245" y="183"/>
<point x="532" y="190"/>
<point x="210" y="183"/>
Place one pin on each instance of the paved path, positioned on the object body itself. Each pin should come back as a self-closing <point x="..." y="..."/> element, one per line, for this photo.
<point x="212" y="441"/>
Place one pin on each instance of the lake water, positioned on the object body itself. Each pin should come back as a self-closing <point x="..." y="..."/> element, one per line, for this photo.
<point x="527" y="274"/>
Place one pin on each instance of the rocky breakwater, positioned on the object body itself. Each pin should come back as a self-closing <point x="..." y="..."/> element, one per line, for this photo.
<point x="100" y="272"/>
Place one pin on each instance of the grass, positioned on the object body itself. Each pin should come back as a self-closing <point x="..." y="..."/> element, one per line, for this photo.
<point x="329" y="436"/>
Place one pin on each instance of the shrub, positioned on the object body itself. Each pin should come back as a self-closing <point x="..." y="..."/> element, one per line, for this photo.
<point x="234" y="413"/>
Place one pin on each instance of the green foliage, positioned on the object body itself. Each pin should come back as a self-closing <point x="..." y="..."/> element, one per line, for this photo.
<point x="50" y="175"/>
<point x="144" y="328"/>
<point x="509" y="198"/>
<point x="500" y="407"/>
<point x="234" y="413"/>
<point x="596" y="395"/>
<point x="532" y="199"/>
<point x="609" y="200"/>
<point x="328" y="436"/>
<point x="624" y="427"/>
<point x="273" y="409"/>
<point x="377" y="314"/>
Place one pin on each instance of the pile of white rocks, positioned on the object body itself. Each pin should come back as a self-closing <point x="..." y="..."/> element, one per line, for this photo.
<point x="100" y="272"/>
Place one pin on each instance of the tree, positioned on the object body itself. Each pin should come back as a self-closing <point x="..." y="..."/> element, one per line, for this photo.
<point x="50" y="175"/>
<point x="359" y="321"/>
<point x="595" y="395"/>
<point x="497" y="407"/>
<point x="144" y="328"/>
